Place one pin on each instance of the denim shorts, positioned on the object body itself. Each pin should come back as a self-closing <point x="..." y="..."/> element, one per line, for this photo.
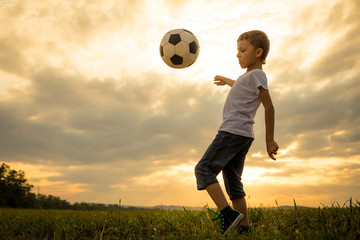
<point x="226" y="153"/>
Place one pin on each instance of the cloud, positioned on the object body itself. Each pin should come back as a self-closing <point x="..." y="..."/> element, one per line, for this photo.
<point x="316" y="94"/>
<point x="11" y="58"/>
<point x="45" y="33"/>
<point x="322" y="181"/>
<point x="69" y="120"/>
<point x="343" y="53"/>
<point x="72" y="21"/>
<point x="98" y="133"/>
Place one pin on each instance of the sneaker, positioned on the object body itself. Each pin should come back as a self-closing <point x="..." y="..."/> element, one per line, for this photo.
<point x="229" y="218"/>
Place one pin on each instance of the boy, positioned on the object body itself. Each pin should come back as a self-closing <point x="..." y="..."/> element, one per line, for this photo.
<point x="228" y="150"/>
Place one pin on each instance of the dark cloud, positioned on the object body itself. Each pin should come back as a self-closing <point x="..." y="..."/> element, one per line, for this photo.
<point x="313" y="119"/>
<point x="69" y="120"/>
<point x="109" y="131"/>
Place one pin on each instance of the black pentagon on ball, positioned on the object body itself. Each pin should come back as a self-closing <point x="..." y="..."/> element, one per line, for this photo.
<point x="176" y="60"/>
<point x="161" y="51"/>
<point x="193" y="47"/>
<point x="174" y="39"/>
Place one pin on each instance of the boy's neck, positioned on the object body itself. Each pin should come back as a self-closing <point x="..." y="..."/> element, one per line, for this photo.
<point x="257" y="65"/>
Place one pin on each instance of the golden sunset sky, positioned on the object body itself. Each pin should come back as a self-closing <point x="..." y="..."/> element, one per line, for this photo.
<point x="91" y="113"/>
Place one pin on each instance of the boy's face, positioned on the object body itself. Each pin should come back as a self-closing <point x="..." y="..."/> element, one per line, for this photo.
<point x="247" y="54"/>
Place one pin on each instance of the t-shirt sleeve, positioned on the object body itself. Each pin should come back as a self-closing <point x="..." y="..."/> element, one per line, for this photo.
<point x="258" y="79"/>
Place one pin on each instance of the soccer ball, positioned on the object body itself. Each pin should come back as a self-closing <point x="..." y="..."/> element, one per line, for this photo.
<point x="179" y="48"/>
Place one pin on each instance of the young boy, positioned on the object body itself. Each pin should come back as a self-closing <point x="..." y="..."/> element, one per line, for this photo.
<point x="228" y="150"/>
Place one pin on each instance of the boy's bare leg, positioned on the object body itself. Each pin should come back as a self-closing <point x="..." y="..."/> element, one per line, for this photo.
<point x="217" y="195"/>
<point x="239" y="204"/>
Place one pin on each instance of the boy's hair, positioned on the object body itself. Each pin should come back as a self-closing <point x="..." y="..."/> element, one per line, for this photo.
<point x="259" y="40"/>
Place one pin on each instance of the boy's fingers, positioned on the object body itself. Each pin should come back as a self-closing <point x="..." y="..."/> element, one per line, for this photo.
<point x="272" y="156"/>
<point x="219" y="82"/>
<point x="273" y="152"/>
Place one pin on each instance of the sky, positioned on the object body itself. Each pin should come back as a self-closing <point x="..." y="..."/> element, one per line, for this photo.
<point x="91" y="113"/>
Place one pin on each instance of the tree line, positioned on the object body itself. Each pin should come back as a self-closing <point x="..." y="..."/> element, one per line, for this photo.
<point x="15" y="192"/>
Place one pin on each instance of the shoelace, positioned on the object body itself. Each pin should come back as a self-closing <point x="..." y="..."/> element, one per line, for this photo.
<point x="217" y="218"/>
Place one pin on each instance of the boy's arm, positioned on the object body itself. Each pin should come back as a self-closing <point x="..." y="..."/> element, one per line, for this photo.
<point x="271" y="146"/>
<point x="220" y="81"/>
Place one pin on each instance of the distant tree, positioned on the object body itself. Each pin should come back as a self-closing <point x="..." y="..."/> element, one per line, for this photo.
<point x="51" y="202"/>
<point x="14" y="189"/>
<point x="15" y="192"/>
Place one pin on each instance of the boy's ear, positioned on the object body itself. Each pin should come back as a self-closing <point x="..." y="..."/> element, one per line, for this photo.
<point x="259" y="52"/>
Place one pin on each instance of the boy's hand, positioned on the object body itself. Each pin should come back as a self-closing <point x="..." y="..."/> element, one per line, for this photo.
<point x="272" y="148"/>
<point x="221" y="81"/>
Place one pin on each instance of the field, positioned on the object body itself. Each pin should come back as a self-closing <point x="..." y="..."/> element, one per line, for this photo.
<point x="327" y="222"/>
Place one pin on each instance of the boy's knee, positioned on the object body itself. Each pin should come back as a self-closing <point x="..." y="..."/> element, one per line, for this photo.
<point x="198" y="169"/>
<point x="204" y="177"/>
<point x="203" y="169"/>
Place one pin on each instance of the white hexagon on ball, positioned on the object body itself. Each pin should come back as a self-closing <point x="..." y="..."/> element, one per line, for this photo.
<point x="169" y="50"/>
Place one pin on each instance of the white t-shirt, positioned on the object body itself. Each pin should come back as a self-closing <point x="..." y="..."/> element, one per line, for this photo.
<point x="242" y="103"/>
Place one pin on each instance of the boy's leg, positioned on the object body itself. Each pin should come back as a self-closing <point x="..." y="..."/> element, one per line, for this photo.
<point x="211" y="164"/>
<point x="232" y="177"/>
<point x="239" y="204"/>
<point x="222" y="150"/>
<point x="217" y="195"/>
<point x="229" y="217"/>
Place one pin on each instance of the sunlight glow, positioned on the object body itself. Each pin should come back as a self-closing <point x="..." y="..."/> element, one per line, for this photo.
<point x="293" y="146"/>
<point x="258" y="154"/>
<point x="184" y="174"/>
<point x="255" y="174"/>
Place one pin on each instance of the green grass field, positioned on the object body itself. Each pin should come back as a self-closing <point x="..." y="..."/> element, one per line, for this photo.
<point x="334" y="222"/>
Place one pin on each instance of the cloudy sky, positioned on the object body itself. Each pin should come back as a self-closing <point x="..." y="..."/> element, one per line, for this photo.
<point x="91" y="113"/>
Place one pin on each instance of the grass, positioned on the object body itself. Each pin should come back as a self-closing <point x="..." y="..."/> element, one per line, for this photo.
<point x="327" y="222"/>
